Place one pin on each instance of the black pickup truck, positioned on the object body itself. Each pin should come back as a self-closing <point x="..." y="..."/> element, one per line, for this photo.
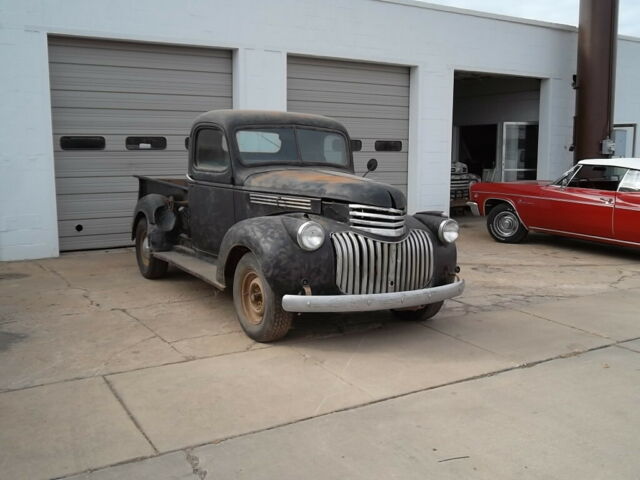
<point x="271" y="207"/>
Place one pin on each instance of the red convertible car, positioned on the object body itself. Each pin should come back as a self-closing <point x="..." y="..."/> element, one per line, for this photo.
<point x="596" y="200"/>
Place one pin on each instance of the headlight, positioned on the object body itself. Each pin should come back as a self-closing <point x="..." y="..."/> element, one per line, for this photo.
<point x="448" y="231"/>
<point x="310" y="236"/>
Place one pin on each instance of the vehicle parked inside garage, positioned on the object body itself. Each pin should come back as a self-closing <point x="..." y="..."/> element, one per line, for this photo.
<point x="270" y="207"/>
<point x="595" y="200"/>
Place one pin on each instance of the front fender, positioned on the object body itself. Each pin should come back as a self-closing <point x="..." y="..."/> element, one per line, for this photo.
<point x="286" y="266"/>
<point x="445" y="255"/>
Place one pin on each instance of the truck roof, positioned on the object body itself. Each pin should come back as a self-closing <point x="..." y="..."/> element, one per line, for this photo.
<point x="232" y="119"/>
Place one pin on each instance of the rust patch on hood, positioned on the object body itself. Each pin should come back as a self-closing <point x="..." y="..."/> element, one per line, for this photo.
<point x="326" y="184"/>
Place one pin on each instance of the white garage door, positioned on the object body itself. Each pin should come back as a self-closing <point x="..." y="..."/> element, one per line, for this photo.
<point x="371" y="100"/>
<point x="122" y="109"/>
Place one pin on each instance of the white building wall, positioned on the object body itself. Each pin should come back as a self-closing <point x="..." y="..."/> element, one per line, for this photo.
<point x="435" y="41"/>
<point x="627" y="99"/>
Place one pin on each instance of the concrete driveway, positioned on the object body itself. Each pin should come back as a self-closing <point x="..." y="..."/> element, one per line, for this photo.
<point x="534" y="372"/>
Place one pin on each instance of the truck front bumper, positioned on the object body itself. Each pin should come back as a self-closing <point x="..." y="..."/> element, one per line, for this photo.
<point x="373" y="301"/>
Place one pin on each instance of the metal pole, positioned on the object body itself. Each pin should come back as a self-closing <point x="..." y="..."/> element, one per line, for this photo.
<point x="595" y="79"/>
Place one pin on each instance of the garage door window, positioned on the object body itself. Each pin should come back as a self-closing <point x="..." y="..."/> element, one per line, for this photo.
<point x="212" y="153"/>
<point x="82" y="143"/>
<point x="146" y="143"/>
<point x="388" y="145"/>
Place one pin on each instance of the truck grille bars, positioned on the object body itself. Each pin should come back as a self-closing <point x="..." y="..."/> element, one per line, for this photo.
<point x="365" y="265"/>
<point x="377" y="220"/>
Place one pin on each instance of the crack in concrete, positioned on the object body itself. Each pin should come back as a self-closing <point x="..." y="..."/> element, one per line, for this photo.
<point x="356" y="407"/>
<point x="130" y="414"/>
<point x="573" y="327"/>
<point x="153" y="332"/>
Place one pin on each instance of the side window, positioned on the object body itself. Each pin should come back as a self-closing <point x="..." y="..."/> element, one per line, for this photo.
<point x="598" y="177"/>
<point x="631" y="182"/>
<point x="211" y="150"/>
<point x="335" y="149"/>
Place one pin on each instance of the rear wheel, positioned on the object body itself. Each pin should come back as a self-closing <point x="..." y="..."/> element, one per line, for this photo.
<point x="504" y="225"/>
<point x="422" y="313"/>
<point x="150" y="267"/>
<point x="258" y="308"/>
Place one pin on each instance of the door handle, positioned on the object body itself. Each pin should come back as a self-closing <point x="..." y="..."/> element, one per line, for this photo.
<point x="608" y="201"/>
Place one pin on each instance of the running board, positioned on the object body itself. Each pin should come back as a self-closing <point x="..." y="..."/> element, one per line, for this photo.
<point x="197" y="267"/>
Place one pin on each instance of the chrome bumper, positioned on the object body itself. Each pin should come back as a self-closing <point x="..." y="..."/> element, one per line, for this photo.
<point x="473" y="206"/>
<point x="373" y="301"/>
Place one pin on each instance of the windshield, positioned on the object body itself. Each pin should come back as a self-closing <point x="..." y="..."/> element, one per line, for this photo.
<point x="289" y="145"/>
<point x="566" y="177"/>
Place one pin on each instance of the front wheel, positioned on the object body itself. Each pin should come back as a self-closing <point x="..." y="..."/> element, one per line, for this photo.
<point x="422" y="313"/>
<point x="504" y="225"/>
<point x="258" y="308"/>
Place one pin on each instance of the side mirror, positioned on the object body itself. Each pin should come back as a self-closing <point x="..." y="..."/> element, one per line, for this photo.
<point x="372" y="164"/>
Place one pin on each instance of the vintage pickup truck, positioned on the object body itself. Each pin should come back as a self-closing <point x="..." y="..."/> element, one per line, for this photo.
<point x="271" y="207"/>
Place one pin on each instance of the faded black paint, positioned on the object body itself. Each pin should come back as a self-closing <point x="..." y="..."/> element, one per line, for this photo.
<point x="213" y="215"/>
<point x="326" y="184"/>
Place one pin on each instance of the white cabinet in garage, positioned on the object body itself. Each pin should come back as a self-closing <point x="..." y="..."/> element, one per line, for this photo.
<point x="122" y="109"/>
<point x="372" y="100"/>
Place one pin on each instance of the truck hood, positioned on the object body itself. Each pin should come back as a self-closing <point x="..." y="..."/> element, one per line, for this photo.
<point x="326" y="185"/>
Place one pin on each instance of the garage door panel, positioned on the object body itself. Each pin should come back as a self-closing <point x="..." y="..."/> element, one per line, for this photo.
<point x="86" y="242"/>
<point x="92" y="185"/>
<point x="122" y="166"/>
<point x="94" y="226"/>
<point x="141" y="80"/>
<point x="371" y="100"/>
<point x="172" y="59"/>
<point x="348" y="97"/>
<point x="102" y="47"/>
<point x="363" y="67"/>
<point x="116" y="90"/>
<point x="386" y="162"/>
<point x="312" y="72"/>
<point x="386" y="129"/>
<point x="123" y="122"/>
<point x="130" y="101"/>
<point x="298" y="85"/>
<point x="352" y="110"/>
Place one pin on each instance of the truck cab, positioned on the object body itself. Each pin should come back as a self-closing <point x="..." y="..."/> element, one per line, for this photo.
<point x="271" y="208"/>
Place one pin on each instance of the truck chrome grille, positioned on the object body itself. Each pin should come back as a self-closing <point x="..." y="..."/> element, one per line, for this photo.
<point x="365" y="265"/>
<point x="298" y="203"/>
<point x="377" y="220"/>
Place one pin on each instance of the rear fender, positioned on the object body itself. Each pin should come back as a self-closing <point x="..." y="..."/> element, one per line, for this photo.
<point x="157" y="210"/>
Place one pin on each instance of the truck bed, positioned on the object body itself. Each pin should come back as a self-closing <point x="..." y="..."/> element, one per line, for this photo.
<point x="170" y="187"/>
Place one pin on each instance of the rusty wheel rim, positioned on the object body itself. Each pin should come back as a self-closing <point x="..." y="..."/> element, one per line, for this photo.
<point x="252" y="297"/>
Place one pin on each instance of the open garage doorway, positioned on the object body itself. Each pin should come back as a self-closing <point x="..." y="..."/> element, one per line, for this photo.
<point x="495" y="130"/>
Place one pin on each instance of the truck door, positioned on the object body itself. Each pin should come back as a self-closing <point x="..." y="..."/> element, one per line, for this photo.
<point x="210" y="195"/>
